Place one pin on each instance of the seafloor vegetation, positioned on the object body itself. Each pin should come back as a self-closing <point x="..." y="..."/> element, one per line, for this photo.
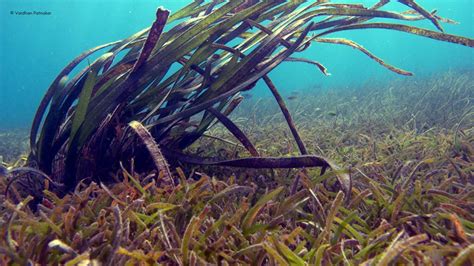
<point x="168" y="84"/>
<point x="13" y="144"/>
<point x="383" y="175"/>
<point x="407" y="146"/>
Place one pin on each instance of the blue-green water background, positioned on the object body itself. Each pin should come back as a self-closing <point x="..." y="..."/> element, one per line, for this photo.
<point x="34" y="49"/>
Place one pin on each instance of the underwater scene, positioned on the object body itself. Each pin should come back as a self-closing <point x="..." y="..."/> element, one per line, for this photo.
<point x="237" y="132"/>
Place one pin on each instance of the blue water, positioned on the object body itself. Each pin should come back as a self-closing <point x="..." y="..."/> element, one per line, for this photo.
<point x="35" y="48"/>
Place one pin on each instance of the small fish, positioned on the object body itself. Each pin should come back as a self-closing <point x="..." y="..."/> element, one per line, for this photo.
<point x="317" y="86"/>
<point x="247" y="95"/>
<point x="292" y="97"/>
<point x="331" y="113"/>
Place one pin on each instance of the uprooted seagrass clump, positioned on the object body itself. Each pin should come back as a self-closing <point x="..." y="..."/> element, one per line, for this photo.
<point x="176" y="78"/>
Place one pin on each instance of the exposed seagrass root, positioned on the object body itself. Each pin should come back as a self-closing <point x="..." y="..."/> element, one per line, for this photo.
<point x="158" y="159"/>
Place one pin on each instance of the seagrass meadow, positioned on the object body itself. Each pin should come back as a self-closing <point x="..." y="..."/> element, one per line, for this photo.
<point x="156" y="149"/>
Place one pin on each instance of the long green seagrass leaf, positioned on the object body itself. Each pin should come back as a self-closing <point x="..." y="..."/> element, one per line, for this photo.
<point x="192" y="37"/>
<point x="409" y="29"/>
<point x="422" y="11"/>
<point x="197" y="31"/>
<point x="126" y="43"/>
<point x="52" y="90"/>
<point x="286" y="114"/>
<point x="204" y="36"/>
<point x="274" y="26"/>
<point x="206" y="51"/>
<point x="61" y="103"/>
<point x="253" y="212"/>
<point x="161" y="62"/>
<point x="325" y="24"/>
<point x="355" y="12"/>
<point x="279" y="9"/>
<point x="320" y="66"/>
<point x="86" y="93"/>
<point x="266" y="14"/>
<point x="235" y="131"/>
<point x="245" y="66"/>
<point x="209" y="102"/>
<point x="253" y="162"/>
<point x="287" y="253"/>
<point x="365" y="51"/>
<point x="277" y="258"/>
<point x="186" y="11"/>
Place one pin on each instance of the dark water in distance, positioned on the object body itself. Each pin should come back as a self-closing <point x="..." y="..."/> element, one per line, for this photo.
<point x="35" y="48"/>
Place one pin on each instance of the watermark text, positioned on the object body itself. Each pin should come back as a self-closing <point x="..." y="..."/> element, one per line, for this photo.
<point x="30" y="13"/>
